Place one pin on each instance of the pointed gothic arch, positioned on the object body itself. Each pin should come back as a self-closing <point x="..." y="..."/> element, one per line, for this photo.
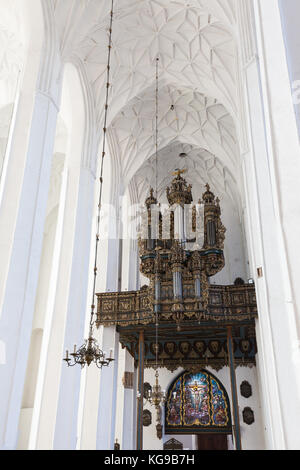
<point x="197" y="402"/>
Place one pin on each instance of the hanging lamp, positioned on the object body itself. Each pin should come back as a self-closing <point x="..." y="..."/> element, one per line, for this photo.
<point x="90" y="351"/>
<point x="156" y="396"/>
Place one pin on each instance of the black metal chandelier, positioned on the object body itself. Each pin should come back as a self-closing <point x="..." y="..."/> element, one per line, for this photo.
<point x="156" y="396"/>
<point x="90" y="352"/>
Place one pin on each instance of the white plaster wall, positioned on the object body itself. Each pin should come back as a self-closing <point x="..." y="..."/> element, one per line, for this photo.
<point x="23" y="196"/>
<point x="47" y="265"/>
<point x="234" y="248"/>
<point x="12" y="58"/>
<point x="120" y="396"/>
<point x="6" y="113"/>
<point x="100" y="397"/>
<point x="72" y="112"/>
<point x="271" y="175"/>
<point x="290" y="11"/>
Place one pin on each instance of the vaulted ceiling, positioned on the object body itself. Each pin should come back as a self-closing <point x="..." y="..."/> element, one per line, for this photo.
<point x="195" y="41"/>
<point x="193" y="119"/>
<point x="200" y="165"/>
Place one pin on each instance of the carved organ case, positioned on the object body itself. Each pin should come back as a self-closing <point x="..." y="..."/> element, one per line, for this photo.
<point x="179" y="265"/>
<point x="180" y="248"/>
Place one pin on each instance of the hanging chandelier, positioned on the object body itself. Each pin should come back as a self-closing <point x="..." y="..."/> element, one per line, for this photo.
<point x="156" y="396"/>
<point x="90" y="352"/>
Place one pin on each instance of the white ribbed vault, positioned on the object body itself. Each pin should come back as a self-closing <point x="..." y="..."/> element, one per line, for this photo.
<point x="196" y="120"/>
<point x="195" y="41"/>
<point x="201" y="166"/>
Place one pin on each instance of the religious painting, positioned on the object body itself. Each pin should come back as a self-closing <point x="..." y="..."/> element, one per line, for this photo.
<point x="174" y="404"/>
<point x="197" y="401"/>
<point x="219" y="405"/>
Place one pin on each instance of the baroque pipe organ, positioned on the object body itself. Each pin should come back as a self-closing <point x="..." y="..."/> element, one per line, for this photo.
<point x="199" y="324"/>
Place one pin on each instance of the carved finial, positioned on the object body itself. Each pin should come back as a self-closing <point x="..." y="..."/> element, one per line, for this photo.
<point x="179" y="192"/>
<point x="178" y="172"/>
<point x="208" y="196"/>
<point x="151" y="200"/>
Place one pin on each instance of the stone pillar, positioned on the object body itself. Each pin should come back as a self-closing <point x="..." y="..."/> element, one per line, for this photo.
<point x="68" y="401"/>
<point x="23" y="271"/>
<point x="77" y="214"/>
<point x="100" y="390"/>
<point x="108" y="393"/>
<point x="271" y="178"/>
<point x="46" y="283"/>
<point x="134" y="416"/>
<point x="51" y="365"/>
<point x="128" y="400"/>
<point x="235" y="405"/>
<point x="140" y="399"/>
<point x="129" y="404"/>
<point x="110" y="339"/>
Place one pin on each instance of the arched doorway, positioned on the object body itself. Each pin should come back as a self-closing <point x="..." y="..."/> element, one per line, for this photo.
<point x="198" y="404"/>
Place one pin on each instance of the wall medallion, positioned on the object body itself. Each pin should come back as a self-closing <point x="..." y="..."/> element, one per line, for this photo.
<point x="248" y="416"/>
<point x="246" y="389"/>
<point x="147" y="418"/>
<point x="159" y="430"/>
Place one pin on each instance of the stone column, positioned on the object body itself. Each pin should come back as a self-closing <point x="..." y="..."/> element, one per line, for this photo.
<point x="110" y="340"/>
<point x="140" y="400"/>
<point x="100" y="391"/>
<point x="108" y="393"/>
<point x="235" y="405"/>
<point x="23" y="271"/>
<point x="68" y="401"/>
<point x="129" y="404"/>
<point x="271" y="178"/>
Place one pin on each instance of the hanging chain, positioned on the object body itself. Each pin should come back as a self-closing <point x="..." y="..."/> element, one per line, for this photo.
<point x="156" y="130"/>
<point x="102" y="164"/>
<point x="156" y="190"/>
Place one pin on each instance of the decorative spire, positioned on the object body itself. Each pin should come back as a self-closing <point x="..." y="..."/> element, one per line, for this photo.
<point x="208" y="197"/>
<point x="179" y="192"/>
<point x="151" y="200"/>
